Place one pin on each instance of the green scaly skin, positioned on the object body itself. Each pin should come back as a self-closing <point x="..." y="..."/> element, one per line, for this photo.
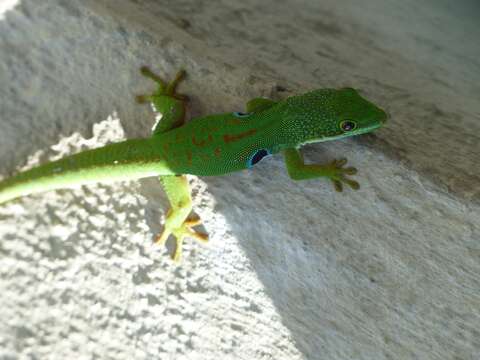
<point x="212" y="145"/>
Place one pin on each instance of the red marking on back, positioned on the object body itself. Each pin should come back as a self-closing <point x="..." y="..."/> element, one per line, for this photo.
<point x="217" y="152"/>
<point x="201" y="142"/>
<point x="196" y="142"/>
<point x="231" y="138"/>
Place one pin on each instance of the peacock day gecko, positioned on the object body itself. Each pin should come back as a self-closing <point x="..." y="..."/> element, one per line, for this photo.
<point x="212" y="145"/>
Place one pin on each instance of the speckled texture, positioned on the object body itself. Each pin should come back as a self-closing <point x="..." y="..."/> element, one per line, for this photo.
<point x="294" y="271"/>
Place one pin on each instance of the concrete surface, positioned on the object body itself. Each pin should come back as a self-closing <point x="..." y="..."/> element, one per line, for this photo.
<point x="294" y="270"/>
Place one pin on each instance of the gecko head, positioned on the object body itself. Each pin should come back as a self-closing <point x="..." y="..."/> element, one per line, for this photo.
<point x="329" y="114"/>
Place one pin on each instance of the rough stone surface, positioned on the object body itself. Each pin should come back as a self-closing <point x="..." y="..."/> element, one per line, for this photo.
<point x="294" y="270"/>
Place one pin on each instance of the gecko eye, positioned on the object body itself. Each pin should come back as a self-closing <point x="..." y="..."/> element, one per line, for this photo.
<point x="348" y="125"/>
<point x="257" y="156"/>
<point x="240" y="114"/>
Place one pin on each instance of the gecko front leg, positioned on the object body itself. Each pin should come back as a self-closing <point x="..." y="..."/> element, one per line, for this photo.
<point x="335" y="170"/>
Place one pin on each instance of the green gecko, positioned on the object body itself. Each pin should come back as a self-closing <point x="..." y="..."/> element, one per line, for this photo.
<point x="212" y="145"/>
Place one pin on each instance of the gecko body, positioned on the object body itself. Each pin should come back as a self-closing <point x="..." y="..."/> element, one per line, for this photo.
<point x="212" y="145"/>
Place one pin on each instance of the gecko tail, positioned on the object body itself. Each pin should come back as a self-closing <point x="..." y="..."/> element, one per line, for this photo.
<point x="128" y="160"/>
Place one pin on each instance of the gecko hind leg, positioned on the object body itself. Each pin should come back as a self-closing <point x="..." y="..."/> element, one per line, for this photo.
<point x="177" y="222"/>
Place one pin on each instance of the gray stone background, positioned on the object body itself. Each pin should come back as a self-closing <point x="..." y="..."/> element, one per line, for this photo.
<point x="294" y="270"/>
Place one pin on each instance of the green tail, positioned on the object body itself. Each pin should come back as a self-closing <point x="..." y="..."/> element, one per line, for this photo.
<point x="128" y="160"/>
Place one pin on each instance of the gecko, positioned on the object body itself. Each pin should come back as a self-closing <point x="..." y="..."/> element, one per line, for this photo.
<point x="211" y="145"/>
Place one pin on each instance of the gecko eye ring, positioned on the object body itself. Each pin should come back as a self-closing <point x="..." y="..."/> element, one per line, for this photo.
<point x="348" y="125"/>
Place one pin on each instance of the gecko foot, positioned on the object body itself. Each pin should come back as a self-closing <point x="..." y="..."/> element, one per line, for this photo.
<point x="339" y="172"/>
<point x="180" y="233"/>
<point x="164" y="88"/>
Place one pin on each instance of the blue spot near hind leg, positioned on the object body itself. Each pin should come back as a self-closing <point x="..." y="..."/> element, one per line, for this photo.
<point x="257" y="156"/>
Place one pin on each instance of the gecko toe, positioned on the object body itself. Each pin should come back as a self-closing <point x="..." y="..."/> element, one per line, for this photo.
<point x="161" y="238"/>
<point x="350" y="171"/>
<point x="193" y="221"/>
<point x="338" y="185"/>
<point x="352" y="183"/>
<point x="180" y="233"/>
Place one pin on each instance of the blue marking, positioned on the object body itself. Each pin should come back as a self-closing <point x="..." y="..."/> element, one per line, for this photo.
<point x="257" y="156"/>
<point x="241" y="114"/>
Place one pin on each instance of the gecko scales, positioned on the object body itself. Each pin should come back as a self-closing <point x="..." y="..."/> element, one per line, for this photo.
<point x="212" y="145"/>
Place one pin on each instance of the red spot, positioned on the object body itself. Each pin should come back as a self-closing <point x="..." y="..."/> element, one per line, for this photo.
<point x="231" y="138"/>
<point x="201" y="142"/>
<point x="217" y="152"/>
<point x="196" y="142"/>
<point x="189" y="157"/>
